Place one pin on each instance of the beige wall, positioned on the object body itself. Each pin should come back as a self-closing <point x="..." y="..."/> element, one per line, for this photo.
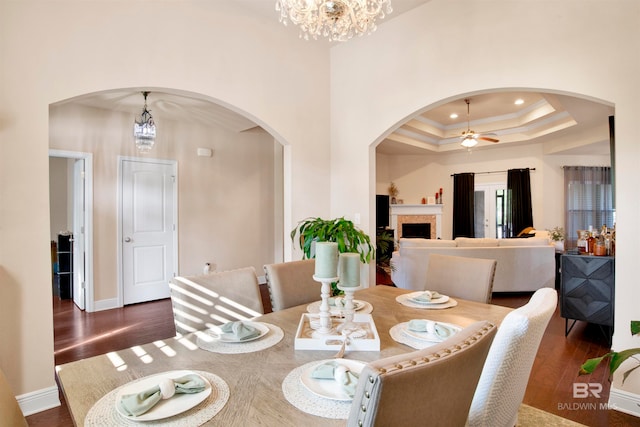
<point x="419" y="176"/>
<point x="209" y="48"/>
<point x="61" y="196"/>
<point x="328" y="114"/>
<point x="217" y="196"/>
<point x="444" y="50"/>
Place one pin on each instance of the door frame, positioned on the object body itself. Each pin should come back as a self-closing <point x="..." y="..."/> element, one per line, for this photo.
<point x="490" y="188"/>
<point x="121" y="160"/>
<point x="88" y="219"/>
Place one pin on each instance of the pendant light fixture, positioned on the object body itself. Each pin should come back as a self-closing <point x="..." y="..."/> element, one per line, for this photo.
<point x="144" y="129"/>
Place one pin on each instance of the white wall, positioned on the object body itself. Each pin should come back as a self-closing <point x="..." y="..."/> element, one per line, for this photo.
<point x="446" y="49"/>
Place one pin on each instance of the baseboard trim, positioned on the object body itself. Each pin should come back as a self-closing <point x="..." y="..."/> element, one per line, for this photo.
<point x="39" y="400"/>
<point x="623" y="401"/>
<point x="105" y="304"/>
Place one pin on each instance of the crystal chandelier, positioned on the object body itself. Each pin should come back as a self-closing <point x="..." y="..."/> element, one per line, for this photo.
<point x="144" y="129"/>
<point x="338" y="20"/>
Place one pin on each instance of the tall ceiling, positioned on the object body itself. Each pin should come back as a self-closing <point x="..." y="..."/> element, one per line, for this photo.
<point x="542" y="117"/>
<point x="580" y="125"/>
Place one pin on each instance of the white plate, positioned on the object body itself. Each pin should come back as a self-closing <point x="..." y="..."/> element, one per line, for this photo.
<point x="327" y="388"/>
<point x="426" y="336"/>
<point x="440" y="300"/>
<point x="165" y="408"/>
<point x="264" y="329"/>
<point x="314" y="307"/>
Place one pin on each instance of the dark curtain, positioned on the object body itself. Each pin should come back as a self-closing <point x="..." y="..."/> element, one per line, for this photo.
<point x="463" y="193"/>
<point x="519" y="211"/>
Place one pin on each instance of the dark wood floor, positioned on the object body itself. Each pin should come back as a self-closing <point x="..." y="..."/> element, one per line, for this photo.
<point x="80" y="335"/>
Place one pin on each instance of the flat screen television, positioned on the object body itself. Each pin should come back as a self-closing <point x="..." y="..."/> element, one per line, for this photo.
<point x="382" y="210"/>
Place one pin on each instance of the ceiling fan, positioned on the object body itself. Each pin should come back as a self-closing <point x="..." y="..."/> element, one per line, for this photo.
<point x="470" y="138"/>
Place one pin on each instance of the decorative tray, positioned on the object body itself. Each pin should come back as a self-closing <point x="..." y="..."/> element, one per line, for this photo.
<point x="366" y="339"/>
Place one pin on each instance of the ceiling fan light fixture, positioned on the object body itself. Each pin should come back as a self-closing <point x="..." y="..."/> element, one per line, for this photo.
<point x="469" y="142"/>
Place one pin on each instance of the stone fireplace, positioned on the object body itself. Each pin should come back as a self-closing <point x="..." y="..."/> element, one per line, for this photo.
<point x="417" y="214"/>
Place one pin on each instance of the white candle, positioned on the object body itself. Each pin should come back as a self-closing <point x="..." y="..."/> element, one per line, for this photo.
<point x="349" y="270"/>
<point x="326" y="260"/>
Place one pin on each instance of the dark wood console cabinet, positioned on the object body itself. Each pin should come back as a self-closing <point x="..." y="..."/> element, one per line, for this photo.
<point x="587" y="290"/>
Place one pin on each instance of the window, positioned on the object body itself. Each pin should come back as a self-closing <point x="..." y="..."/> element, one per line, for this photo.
<point x="588" y="200"/>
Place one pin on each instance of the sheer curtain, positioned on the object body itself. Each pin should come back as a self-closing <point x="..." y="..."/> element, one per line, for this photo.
<point x="519" y="211"/>
<point x="589" y="200"/>
<point x="463" y="200"/>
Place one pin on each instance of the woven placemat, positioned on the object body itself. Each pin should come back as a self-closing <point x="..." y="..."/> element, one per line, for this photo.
<point x="300" y="397"/>
<point x="273" y="337"/>
<point x="104" y="413"/>
<point x="404" y="300"/>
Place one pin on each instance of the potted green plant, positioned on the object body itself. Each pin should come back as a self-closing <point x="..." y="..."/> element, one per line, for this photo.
<point x="615" y="357"/>
<point x="342" y="231"/>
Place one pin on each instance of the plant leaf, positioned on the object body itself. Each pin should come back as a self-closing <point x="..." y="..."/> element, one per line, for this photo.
<point x="635" y="327"/>
<point x="618" y="357"/>
<point x="591" y="364"/>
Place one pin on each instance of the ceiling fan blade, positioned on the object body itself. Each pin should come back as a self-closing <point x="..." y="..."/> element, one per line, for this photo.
<point x="484" y="138"/>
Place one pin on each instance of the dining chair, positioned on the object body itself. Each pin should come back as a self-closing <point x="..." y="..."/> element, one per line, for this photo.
<point x="506" y="371"/>
<point x="433" y="386"/>
<point x="9" y="409"/>
<point x="467" y="278"/>
<point x="201" y="301"/>
<point x="291" y="283"/>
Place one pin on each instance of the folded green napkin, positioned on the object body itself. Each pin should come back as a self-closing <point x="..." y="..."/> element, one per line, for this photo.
<point x="239" y="330"/>
<point x="426" y="296"/>
<point x="137" y="404"/>
<point x="335" y="371"/>
<point x="429" y="326"/>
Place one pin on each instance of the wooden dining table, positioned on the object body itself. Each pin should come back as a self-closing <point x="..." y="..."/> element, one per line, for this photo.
<point x="254" y="379"/>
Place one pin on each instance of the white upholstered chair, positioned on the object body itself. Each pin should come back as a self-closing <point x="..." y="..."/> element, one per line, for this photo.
<point x="466" y="278"/>
<point x="506" y="371"/>
<point x="431" y="387"/>
<point x="10" y="412"/>
<point x="291" y="283"/>
<point x="199" y="302"/>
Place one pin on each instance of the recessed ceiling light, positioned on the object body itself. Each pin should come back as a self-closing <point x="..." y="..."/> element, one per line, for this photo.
<point x="453" y="116"/>
<point x="519" y="101"/>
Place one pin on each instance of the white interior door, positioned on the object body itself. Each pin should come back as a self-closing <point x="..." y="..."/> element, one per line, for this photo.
<point x="148" y="221"/>
<point x="79" y="238"/>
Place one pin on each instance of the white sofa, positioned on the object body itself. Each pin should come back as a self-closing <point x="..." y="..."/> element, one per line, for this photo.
<point x="524" y="265"/>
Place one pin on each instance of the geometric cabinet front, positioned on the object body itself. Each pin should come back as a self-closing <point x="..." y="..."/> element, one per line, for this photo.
<point x="588" y="288"/>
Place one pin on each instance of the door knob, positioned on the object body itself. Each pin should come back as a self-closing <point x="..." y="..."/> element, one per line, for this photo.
<point x="127" y="239"/>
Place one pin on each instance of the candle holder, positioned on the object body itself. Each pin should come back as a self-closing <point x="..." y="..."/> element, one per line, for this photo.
<point x="349" y="307"/>
<point x="325" y="316"/>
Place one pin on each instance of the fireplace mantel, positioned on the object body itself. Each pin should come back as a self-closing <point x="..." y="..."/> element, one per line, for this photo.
<point x="403" y="211"/>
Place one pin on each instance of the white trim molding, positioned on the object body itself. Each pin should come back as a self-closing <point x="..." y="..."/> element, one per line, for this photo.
<point x="39" y="400"/>
<point x="623" y="401"/>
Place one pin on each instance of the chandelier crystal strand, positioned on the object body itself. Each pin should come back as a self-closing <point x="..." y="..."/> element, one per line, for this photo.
<point x="338" y="20"/>
<point x="144" y="129"/>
